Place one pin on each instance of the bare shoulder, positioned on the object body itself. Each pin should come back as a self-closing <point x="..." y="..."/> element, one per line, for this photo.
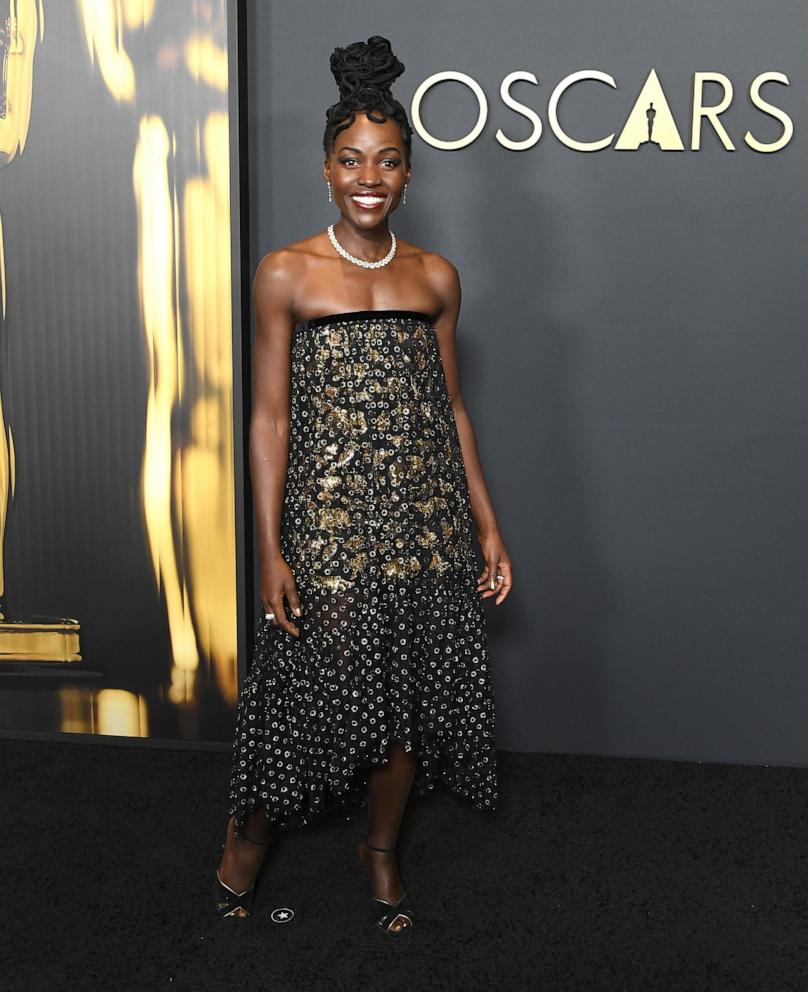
<point x="280" y="267"/>
<point x="283" y="268"/>
<point x="435" y="271"/>
<point x="273" y="287"/>
<point x="442" y="273"/>
<point x="277" y="276"/>
<point x="443" y="279"/>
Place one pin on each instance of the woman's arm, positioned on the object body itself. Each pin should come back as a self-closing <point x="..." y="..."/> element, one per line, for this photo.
<point x="446" y="282"/>
<point x="269" y="425"/>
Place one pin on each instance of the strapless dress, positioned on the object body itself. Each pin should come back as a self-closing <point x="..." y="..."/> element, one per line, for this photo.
<point x="376" y="527"/>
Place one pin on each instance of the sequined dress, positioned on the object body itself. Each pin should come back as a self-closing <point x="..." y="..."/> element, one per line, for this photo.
<point x="376" y="528"/>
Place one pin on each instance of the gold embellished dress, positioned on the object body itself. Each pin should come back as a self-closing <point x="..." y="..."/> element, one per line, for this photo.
<point x="376" y="527"/>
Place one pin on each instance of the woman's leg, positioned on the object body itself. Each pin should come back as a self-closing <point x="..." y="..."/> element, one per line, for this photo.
<point x="389" y="787"/>
<point x="242" y="856"/>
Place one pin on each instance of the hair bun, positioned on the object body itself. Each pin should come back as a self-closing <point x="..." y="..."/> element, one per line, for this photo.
<point x="365" y="71"/>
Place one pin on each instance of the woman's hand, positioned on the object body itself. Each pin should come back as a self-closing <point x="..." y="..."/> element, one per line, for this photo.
<point x="278" y="581"/>
<point x="497" y="563"/>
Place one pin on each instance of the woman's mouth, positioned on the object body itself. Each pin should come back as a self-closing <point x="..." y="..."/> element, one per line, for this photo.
<point x="368" y="201"/>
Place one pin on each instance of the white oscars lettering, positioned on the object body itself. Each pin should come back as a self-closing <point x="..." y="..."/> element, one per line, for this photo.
<point x="426" y="85"/>
<point x="650" y="119"/>
<point x="710" y="113"/>
<point x="505" y="95"/>
<point x="767" y="108"/>
<point x="552" y="110"/>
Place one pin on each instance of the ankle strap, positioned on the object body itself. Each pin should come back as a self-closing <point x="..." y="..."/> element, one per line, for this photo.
<point x="245" y="837"/>
<point x="378" y="848"/>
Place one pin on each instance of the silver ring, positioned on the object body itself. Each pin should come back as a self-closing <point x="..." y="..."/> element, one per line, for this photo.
<point x="501" y="578"/>
<point x="270" y="616"/>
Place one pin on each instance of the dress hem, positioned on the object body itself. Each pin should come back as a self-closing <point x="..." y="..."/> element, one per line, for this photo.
<point x="353" y="798"/>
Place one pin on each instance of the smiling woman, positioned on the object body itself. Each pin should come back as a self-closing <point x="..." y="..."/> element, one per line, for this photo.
<point x="366" y="478"/>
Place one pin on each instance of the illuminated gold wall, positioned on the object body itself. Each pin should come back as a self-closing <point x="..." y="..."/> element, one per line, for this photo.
<point x="119" y="489"/>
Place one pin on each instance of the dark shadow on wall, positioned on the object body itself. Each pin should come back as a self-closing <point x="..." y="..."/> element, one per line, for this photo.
<point x="518" y="357"/>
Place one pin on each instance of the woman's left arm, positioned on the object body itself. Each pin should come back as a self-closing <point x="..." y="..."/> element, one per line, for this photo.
<point x="446" y="282"/>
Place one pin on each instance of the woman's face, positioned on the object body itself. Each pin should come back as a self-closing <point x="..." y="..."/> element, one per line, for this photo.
<point x="368" y="158"/>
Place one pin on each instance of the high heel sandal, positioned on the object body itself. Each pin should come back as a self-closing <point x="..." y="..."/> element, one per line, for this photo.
<point x="226" y="900"/>
<point x="390" y="912"/>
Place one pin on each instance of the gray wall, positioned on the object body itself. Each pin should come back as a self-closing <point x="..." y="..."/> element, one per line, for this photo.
<point x="633" y="350"/>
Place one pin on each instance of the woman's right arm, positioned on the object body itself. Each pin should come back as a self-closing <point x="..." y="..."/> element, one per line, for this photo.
<point x="269" y="428"/>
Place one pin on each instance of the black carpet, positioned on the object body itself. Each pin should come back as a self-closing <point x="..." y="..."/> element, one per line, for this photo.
<point x="594" y="874"/>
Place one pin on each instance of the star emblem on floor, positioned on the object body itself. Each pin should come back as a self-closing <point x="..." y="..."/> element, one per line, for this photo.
<point x="282" y="915"/>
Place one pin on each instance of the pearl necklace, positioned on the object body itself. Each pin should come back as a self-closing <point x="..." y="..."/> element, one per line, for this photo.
<point x="360" y="261"/>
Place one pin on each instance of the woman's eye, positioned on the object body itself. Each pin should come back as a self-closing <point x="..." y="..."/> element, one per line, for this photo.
<point x="391" y="161"/>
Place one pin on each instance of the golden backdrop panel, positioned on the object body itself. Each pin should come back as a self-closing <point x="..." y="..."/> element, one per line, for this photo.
<point x="119" y="488"/>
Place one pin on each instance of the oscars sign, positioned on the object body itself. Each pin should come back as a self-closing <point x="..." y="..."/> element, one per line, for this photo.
<point x="649" y="124"/>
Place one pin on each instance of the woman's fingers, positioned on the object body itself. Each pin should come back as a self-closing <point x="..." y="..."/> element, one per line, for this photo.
<point x="489" y="584"/>
<point x="488" y="580"/>
<point x="294" y="601"/>
<point x="280" y="619"/>
<point x="504" y="585"/>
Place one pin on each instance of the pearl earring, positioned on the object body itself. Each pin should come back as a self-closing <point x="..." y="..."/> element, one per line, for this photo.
<point x="404" y="196"/>
<point x="328" y="183"/>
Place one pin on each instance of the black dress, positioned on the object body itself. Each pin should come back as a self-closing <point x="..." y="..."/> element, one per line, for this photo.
<point x="376" y="527"/>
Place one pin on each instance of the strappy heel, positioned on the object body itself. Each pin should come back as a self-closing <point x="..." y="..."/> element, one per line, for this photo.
<point x="385" y="913"/>
<point x="226" y="900"/>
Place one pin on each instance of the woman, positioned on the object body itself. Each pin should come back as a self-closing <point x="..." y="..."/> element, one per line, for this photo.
<point x="366" y="475"/>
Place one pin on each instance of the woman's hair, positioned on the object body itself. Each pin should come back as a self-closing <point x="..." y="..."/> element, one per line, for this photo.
<point x="364" y="72"/>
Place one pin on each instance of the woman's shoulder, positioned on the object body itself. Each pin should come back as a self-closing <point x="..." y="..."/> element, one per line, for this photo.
<point x="290" y="256"/>
<point x="424" y="255"/>
<point x="436" y="268"/>
<point x="280" y="270"/>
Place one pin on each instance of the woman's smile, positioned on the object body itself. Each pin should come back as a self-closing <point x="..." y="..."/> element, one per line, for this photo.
<point x="369" y="201"/>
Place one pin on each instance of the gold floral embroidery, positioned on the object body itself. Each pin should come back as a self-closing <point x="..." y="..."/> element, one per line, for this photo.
<point x="376" y="480"/>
